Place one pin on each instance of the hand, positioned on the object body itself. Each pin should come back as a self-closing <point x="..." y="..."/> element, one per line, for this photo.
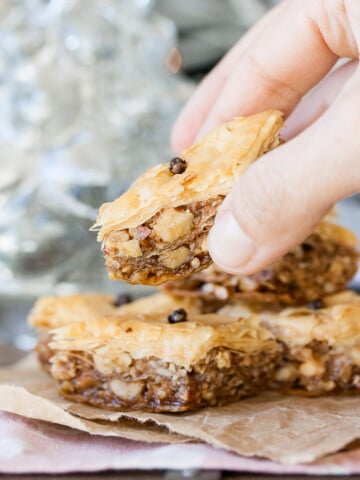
<point x="278" y="201"/>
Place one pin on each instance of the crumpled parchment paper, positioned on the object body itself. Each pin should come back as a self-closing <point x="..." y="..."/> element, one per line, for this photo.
<point x="286" y="429"/>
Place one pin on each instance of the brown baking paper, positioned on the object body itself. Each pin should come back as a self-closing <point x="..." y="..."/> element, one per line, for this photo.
<point x="282" y="428"/>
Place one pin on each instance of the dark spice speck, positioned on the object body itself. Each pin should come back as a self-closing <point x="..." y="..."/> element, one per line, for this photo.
<point x="307" y="247"/>
<point x="177" y="316"/>
<point x="177" y="165"/>
<point x="122" y="299"/>
<point x="316" y="304"/>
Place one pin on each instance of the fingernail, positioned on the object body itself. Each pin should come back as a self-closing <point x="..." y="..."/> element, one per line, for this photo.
<point x="230" y="248"/>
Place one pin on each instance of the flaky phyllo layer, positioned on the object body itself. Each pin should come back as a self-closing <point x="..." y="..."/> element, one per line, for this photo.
<point x="157" y="230"/>
<point x="145" y="362"/>
<point x="321" y="347"/>
<point x="57" y="311"/>
<point x="143" y="336"/>
<point x="131" y="360"/>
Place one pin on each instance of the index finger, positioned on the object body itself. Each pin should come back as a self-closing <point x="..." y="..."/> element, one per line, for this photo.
<point x="288" y="58"/>
<point x="197" y="108"/>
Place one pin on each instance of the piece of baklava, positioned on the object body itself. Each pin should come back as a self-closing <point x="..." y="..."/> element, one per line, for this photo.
<point x="323" y="264"/>
<point x="57" y="311"/>
<point x="162" y="363"/>
<point x="321" y="345"/>
<point x="157" y="231"/>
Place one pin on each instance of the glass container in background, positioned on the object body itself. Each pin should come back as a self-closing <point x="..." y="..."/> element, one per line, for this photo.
<point x="86" y="103"/>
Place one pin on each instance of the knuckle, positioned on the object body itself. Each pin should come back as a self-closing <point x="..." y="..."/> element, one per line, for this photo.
<point x="331" y="20"/>
<point x="272" y="84"/>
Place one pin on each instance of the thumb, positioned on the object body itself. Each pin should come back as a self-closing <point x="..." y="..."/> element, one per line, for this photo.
<point x="279" y="200"/>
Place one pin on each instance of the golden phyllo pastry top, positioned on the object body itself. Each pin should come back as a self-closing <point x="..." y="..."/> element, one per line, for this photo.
<point x="56" y="311"/>
<point x="213" y="165"/>
<point x="336" y="323"/>
<point x="143" y="336"/>
<point x="52" y="311"/>
<point x="335" y="319"/>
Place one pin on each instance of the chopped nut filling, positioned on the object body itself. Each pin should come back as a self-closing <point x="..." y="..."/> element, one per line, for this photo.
<point x="223" y="376"/>
<point x="318" y="368"/>
<point x="173" y="224"/>
<point x="291" y="280"/>
<point x="44" y="352"/>
<point x="172" y="244"/>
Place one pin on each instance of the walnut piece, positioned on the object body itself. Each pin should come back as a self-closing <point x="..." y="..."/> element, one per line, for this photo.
<point x="108" y="364"/>
<point x="122" y="235"/>
<point x="126" y="391"/>
<point x="173" y="224"/>
<point x="312" y="368"/>
<point x="175" y="258"/>
<point x="131" y="248"/>
<point x="223" y="359"/>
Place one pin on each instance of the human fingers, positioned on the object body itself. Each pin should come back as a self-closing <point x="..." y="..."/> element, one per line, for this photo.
<point x="291" y="55"/>
<point x="279" y="200"/>
<point x="318" y="100"/>
<point x="195" y="111"/>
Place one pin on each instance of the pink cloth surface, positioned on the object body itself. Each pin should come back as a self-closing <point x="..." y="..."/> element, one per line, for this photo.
<point x="30" y="446"/>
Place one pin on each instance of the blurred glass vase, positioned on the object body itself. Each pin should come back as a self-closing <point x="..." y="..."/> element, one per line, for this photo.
<point x="86" y="103"/>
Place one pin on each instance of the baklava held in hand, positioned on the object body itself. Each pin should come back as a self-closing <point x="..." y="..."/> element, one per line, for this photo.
<point x="157" y="231"/>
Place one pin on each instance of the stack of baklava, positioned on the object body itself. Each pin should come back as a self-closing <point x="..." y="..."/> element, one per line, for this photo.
<point x="208" y="338"/>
